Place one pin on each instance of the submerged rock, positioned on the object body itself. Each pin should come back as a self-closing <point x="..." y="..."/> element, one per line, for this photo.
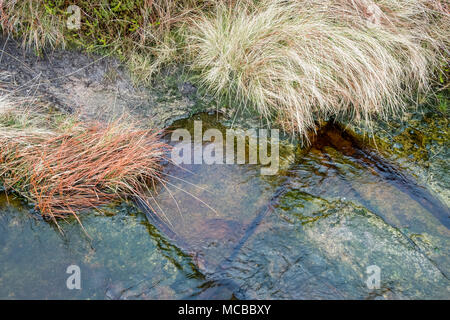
<point x="418" y="143"/>
<point x="343" y="210"/>
<point x="324" y="252"/>
<point x="125" y="259"/>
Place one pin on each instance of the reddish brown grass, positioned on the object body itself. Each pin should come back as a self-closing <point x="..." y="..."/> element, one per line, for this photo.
<point x="81" y="168"/>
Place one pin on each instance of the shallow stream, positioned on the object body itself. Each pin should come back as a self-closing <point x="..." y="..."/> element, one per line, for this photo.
<point x="312" y="231"/>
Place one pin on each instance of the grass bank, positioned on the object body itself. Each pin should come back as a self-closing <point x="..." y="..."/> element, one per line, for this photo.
<point x="294" y="61"/>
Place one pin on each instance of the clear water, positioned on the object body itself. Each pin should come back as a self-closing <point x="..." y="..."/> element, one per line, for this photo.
<point x="309" y="232"/>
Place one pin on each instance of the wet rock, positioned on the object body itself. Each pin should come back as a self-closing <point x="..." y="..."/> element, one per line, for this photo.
<point x="115" y="291"/>
<point x="125" y="259"/>
<point x="215" y="204"/>
<point x="418" y="143"/>
<point x="327" y="258"/>
<point x="337" y="168"/>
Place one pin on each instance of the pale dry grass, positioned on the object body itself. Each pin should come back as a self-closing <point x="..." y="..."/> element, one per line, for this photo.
<point x="305" y="60"/>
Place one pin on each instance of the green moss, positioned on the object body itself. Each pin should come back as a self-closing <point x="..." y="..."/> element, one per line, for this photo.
<point x="418" y="136"/>
<point x="442" y="102"/>
<point x="103" y="23"/>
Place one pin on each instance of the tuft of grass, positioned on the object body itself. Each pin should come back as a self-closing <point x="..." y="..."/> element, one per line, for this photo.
<point x="80" y="166"/>
<point x="304" y="60"/>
